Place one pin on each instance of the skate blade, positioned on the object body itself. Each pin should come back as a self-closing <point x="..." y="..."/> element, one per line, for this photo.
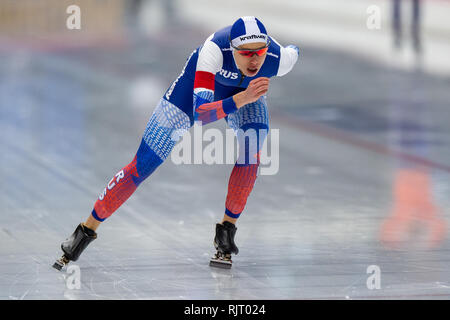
<point x="58" y="266"/>
<point x="60" y="263"/>
<point x="220" y="263"/>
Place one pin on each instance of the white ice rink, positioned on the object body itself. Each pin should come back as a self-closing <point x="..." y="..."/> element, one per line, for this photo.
<point x="362" y="185"/>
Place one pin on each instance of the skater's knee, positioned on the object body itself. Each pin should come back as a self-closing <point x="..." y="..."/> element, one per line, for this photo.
<point x="147" y="160"/>
<point x="251" y="139"/>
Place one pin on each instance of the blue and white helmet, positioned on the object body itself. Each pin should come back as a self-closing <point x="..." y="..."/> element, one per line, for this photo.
<point x="248" y="30"/>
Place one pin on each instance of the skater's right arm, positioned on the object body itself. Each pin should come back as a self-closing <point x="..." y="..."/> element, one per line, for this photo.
<point x="256" y="88"/>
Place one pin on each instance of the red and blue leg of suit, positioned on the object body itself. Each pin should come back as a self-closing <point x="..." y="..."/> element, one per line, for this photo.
<point x="166" y="126"/>
<point x="251" y="125"/>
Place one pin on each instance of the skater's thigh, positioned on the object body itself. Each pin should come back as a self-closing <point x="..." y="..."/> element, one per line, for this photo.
<point x="169" y="121"/>
<point x="252" y="115"/>
<point x="166" y="126"/>
<point x="250" y="124"/>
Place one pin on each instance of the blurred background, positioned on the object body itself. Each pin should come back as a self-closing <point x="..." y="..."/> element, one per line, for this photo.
<point x="364" y="150"/>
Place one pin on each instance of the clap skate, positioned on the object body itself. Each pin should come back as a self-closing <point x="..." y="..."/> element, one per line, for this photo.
<point x="74" y="245"/>
<point x="225" y="246"/>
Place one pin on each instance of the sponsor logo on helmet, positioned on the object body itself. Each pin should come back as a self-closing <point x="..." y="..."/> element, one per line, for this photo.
<point x="253" y="36"/>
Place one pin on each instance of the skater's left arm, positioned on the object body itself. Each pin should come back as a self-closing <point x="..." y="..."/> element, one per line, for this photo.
<point x="288" y="58"/>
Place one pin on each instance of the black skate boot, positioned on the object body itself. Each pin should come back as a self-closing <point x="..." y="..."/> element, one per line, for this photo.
<point x="225" y="246"/>
<point x="74" y="245"/>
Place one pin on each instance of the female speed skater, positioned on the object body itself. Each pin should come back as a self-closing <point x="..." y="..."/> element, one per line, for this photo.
<point x="226" y="77"/>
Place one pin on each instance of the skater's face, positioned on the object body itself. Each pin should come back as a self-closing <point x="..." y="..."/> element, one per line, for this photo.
<point x="249" y="62"/>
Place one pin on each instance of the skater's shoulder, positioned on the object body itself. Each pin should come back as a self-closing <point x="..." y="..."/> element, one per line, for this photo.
<point x="222" y="38"/>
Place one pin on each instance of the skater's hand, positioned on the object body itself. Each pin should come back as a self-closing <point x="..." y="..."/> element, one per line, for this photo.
<point x="256" y="88"/>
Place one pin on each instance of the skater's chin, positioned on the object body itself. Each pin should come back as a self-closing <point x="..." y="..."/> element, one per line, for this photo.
<point x="251" y="72"/>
